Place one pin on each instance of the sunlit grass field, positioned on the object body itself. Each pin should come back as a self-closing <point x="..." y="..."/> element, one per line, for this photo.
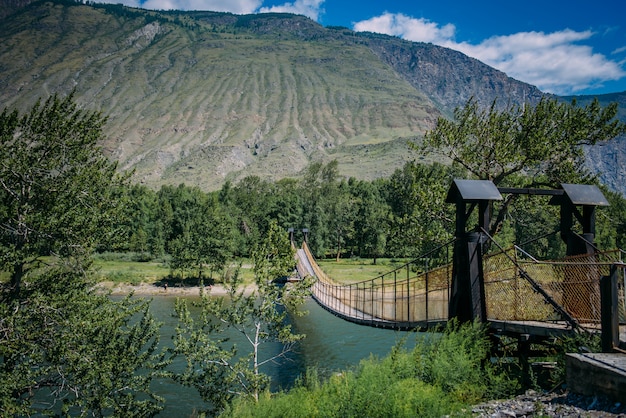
<point x="131" y="272"/>
<point x="122" y="268"/>
<point x="352" y="270"/>
<point x="344" y="271"/>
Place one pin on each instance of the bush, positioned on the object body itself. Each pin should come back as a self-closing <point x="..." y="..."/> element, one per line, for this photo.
<point x="444" y="374"/>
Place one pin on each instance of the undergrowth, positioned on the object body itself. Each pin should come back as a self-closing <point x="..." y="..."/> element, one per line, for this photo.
<point x="443" y="375"/>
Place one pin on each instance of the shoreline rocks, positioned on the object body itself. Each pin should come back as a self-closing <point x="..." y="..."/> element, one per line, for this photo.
<point x="559" y="405"/>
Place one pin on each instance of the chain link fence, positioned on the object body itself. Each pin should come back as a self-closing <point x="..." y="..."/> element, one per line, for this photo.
<point x="572" y="283"/>
<point x="517" y="288"/>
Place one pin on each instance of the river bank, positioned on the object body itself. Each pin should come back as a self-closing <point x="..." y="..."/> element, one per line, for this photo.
<point x="561" y="404"/>
<point x="157" y="289"/>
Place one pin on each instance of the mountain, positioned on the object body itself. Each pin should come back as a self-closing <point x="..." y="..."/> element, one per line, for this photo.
<point x="205" y="97"/>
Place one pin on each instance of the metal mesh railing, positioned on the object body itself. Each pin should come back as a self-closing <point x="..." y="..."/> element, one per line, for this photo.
<point x="517" y="288"/>
<point x="573" y="284"/>
<point x="406" y="296"/>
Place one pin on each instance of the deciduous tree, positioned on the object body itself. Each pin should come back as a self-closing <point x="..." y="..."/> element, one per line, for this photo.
<point x="54" y="184"/>
<point x="543" y="142"/>
<point x="215" y="367"/>
<point x="64" y="348"/>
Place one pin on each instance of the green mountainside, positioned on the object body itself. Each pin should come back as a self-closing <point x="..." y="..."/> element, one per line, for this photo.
<point x="205" y="97"/>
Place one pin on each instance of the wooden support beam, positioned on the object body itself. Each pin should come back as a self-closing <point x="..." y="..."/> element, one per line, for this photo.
<point x="610" y="310"/>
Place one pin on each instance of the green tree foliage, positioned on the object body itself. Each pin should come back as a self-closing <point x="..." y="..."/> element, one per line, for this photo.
<point x="524" y="145"/>
<point x="201" y="233"/>
<point x="64" y="348"/>
<point x="421" y="219"/>
<point x="402" y="216"/>
<point x="370" y="219"/>
<point x="141" y="206"/>
<point x="250" y="203"/>
<point x="543" y="141"/>
<point x="219" y="370"/>
<point x="611" y="222"/>
<point x="54" y="184"/>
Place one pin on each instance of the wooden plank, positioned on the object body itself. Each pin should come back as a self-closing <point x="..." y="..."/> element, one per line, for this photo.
<point x="534" y="328"/>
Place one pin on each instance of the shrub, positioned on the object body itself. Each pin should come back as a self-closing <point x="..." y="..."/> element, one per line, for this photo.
<point x="444" y="373"/>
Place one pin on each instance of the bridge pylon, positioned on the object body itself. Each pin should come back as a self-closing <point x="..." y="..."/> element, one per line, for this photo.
<point x="467" y="298"/>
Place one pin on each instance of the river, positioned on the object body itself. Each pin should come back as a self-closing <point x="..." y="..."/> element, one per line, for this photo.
<point x="331" y="345"/>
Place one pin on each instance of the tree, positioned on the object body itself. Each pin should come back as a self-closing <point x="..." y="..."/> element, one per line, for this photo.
<point x="326" y="209"/>
<point x="420" y="218"/>
<point x="66" y="349"/>
<point x="216" y="367"/>
<point x="251" y="198"/>
<point x="60" y="342"/>
<point x="202" y="233"/>
<point x="370" y="220"/>
<point x="544" y="142"/>
<point x="54" y="184"/>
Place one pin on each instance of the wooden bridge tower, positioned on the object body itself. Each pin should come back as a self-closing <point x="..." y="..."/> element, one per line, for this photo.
<point x="467" y="298"/>
<point x="577" y="201"/>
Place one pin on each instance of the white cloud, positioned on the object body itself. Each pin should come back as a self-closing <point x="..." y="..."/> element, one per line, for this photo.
<point x="555" y="62"/>
<point x="309" y="8"/>
<point x="619" y="50"/>
<point x="406" y="27"/>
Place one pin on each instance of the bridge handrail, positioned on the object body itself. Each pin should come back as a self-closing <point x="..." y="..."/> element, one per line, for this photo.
<point x="414" y="261"/>
<point x="417" y="299"/>
<point x="324" y="277"/>
<point x="518" y="288"/>
<point x="316" y="268"/>
<point x="536" y="287"/>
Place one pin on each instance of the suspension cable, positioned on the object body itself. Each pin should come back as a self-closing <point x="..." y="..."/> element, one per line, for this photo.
<point x="536" y="287"/>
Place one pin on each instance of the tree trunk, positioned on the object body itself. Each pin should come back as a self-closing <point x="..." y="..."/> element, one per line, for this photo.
<point x="338" y="247"/>
<point x="16" y="277"/>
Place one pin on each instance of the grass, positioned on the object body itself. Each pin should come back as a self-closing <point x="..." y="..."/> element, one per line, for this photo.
<point x="441" y="376"/>
<point x="124" y="268"/>
<point x="132" y="272"/>
<point x="119" y="268"/>
<point x="352" y="270"/>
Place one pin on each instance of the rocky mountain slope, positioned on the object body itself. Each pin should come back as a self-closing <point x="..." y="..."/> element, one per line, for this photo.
<point x="202" y="97"/>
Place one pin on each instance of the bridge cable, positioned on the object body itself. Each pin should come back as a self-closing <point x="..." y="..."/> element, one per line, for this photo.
<point x="536" y="287"/>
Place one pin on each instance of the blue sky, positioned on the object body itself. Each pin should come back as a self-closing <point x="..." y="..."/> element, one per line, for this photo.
<point x="561" y="46"/>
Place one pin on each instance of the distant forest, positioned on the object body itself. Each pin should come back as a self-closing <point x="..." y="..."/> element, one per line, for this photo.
<point x="403" y="216"/>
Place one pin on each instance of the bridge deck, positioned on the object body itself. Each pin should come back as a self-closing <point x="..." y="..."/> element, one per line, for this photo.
<point x="410" y="304"/>
<point x="350" y="314"/>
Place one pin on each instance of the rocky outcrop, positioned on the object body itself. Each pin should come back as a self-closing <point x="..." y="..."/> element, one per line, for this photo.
<point x="449" y="77"/>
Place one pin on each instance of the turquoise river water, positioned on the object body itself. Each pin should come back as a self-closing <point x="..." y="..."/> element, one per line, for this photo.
<point x="331" y="345"/>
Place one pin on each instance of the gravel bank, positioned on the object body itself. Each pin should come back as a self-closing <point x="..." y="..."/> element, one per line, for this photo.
<point x="560" y="405"/>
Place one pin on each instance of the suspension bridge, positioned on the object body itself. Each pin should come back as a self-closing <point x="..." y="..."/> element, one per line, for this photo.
<point x="510" y="290"/>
